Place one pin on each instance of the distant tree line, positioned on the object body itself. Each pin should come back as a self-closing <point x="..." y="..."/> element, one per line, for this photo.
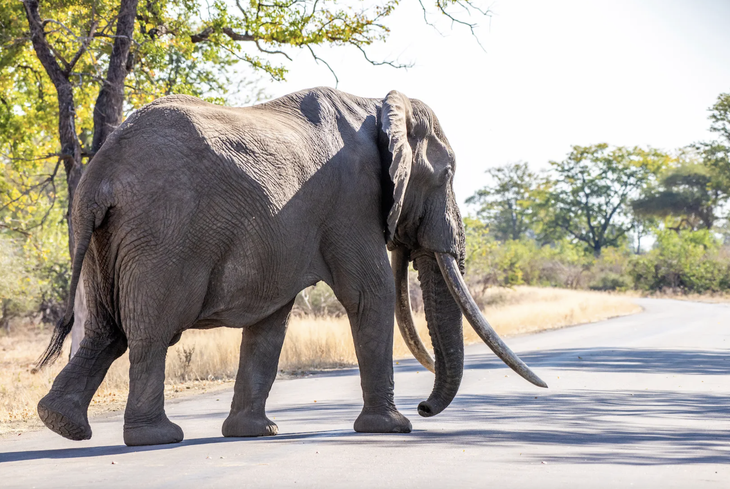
<point x="582" y="222"/>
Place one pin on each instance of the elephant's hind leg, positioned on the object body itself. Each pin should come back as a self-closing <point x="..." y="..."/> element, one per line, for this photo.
<point x="64" y="408"/>
<point x="260" y="350"/>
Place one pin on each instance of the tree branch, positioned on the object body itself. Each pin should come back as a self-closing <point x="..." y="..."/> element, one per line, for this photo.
<point x="238" y="37"/>
<point x="379" y="63"/>
<point x="271" y="52"/>
<point x="202" y="35"/>
<point x="317" y="59"/>
<point x="83" y="47"/>
<point x="40" y="44"/>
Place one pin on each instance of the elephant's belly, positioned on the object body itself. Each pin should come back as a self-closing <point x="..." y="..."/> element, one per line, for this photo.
<point x="242" y="293"/>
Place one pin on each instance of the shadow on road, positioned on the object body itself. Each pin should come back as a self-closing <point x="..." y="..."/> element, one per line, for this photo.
<point x="590" y="426"/>
<point x="658" y="361"/>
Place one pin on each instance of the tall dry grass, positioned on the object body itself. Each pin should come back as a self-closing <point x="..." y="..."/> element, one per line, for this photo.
<point x="204" y="359"/>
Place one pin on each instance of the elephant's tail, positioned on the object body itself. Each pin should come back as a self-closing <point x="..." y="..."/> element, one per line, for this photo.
<point x="84" y="228"/>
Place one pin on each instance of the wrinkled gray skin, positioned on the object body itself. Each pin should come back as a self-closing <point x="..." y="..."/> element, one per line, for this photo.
<point x="194" y="215"/>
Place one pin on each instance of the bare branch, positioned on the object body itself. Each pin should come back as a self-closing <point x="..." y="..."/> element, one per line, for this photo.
<point x="69" y="31"/>
<point x="317" y="59"/>
<point x="40" y="44"/>
<point x="425" y="19"/>
<point x="39" y="187"/>
<point x="46" y="157"/>
<point x="380" y="63"/>
<point x="258" y="45"/>
<point x="60" y="57"/>
<point x="83" y="47"/>
<point x="454" y="20"/>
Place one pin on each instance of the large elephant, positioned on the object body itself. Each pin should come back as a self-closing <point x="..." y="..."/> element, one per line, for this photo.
<point x="194" y="215"/>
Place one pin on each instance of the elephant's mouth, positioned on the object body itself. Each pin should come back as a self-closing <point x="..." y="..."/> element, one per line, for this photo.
<point x="446" y="298"/>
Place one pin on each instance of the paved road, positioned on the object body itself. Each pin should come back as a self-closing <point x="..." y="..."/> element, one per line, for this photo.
<point x="641" y="401"/>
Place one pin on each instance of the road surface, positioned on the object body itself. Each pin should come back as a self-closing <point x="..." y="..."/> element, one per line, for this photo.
<point x="640" y="401"/>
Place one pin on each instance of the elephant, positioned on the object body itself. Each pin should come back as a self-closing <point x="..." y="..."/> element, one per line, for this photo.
<point x="194" y="215"/>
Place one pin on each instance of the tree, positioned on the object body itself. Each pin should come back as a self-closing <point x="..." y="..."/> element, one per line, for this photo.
<point x="506" y="204"/>
<point x="590" y="189"/>
<point x="687" y="191"/>
<point x="720" y="116"/>
<point x="716" y="154"/>
<point x="81" y="65"/>
<point x="71" y="70"/>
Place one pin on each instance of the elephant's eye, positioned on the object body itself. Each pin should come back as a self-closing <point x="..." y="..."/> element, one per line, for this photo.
<point x="446" y="175"/>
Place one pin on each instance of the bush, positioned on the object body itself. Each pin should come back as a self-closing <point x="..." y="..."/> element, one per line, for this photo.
<point x="492" y="263"/>
<point x="35" y="276"/>
<point x="318" y="301"/>
<point x="688" y="261"/>
<point x="20" y="290"/>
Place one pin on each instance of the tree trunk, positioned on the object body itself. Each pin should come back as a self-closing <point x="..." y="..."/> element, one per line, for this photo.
<point x="107" y="116"/>
<point x="110" y="103"/>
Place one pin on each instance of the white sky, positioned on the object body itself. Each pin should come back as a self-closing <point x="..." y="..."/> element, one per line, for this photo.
<point x="555" y="73"/>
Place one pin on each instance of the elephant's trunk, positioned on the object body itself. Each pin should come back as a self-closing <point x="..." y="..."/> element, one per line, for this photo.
<point x="444" y="325"/>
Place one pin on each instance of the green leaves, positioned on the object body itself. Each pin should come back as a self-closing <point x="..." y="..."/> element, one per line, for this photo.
<point x="720" y="116"/>
<point x="688" y="261"/>
<point x="591" y="188"/>
<point x="687" y="194"/>
<point x="506" y="205"/>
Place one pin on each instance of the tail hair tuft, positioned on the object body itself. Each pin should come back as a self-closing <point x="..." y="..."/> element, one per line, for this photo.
<point x="60" y="332"/>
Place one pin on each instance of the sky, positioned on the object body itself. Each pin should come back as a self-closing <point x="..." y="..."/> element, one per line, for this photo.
<point x="551" y="74"/>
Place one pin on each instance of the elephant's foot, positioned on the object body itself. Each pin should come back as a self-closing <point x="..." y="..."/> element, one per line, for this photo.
<point x="64" y="416"/>
<point x="248" y="425"/>
<point x="382" y="421"/>
<point x="161" y="432"/>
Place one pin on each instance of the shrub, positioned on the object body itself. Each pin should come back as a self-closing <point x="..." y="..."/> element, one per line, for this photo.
<point x="688" y="261"/>
<point x="318" y="301"/>
<point x="35" y="275"/>
<point x="20" y="290"/>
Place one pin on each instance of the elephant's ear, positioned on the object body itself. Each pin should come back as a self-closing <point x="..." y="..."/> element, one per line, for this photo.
<point x="397" y="119"/>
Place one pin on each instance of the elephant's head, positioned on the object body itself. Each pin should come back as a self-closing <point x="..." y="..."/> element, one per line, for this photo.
<point x="424" y="225"/>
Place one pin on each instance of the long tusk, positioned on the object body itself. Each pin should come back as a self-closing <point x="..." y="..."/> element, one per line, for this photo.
<point x="403" y="315"/>
<point x="458" y="289"/>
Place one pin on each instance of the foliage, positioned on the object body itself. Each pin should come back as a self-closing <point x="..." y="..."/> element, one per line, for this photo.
<point x="716" y="154"/>
<point x="688" y="261"/>
<point x="19" y="289"/>
<point x="688" y="191"/>
<point x="506" y="204"/>
<point x="720" y="116"/>
<point x="318" y="301"/>
<point x="589" y="191"/>
<point x="31" y="277"/>
<point x="490" y="262"/>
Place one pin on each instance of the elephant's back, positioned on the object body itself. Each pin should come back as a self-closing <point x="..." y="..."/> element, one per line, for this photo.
<point x="182" y="170"/>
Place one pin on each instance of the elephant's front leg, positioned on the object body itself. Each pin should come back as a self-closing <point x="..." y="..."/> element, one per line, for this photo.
<point x="145" y="421"/>
<point x="260" y="350"/>
<point x="372" y="331"/>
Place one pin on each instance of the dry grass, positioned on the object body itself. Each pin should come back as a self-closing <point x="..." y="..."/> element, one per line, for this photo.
<point x="204" y="360"/>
